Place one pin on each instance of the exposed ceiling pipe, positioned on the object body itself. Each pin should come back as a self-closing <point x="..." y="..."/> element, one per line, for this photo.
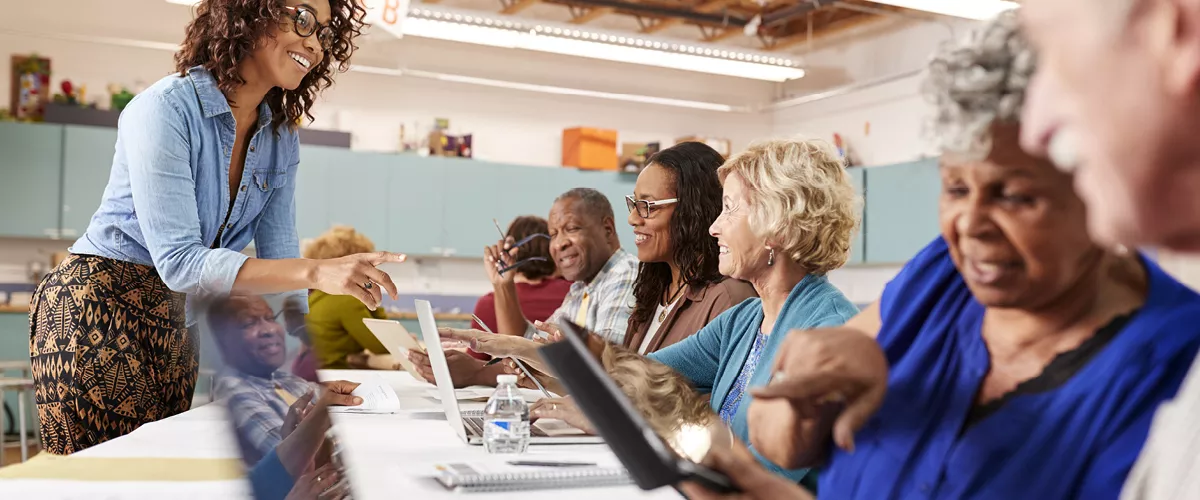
<point x="786" y="14"/>
<point x="838" y="91"/>
<point x="896" y="14"/>
<point x="661" y="11"/>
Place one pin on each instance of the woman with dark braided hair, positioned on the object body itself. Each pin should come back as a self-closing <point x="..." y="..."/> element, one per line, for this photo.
<point x="679" y="288"/>
<point x="205" y="162"/>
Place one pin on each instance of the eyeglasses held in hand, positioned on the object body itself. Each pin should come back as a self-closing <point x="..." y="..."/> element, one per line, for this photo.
<point x="508" y="267"/>
<point x="646" y="207"/>
<point x="304" y="23"/>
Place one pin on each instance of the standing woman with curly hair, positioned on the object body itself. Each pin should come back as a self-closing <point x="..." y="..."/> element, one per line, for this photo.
<point x="205" y="162"/>
<point x="679" y="288"/>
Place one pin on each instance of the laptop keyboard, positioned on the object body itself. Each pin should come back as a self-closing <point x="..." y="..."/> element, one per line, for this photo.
<point x="473" y="420"/>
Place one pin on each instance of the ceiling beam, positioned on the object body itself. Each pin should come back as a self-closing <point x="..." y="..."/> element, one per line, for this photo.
<point x="662" y="24"/>
<point x="729" y="33"/>
<point x="829" y="31"/>
<point x="788" y="13"/>
<point x="705" y="8"/>
<point x="591" y="15"/>
<point x="515" y="7"/>
<point x="661" y="11"/>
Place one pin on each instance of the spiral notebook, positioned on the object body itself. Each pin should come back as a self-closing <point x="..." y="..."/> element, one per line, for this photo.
<point x="479" y="477"/>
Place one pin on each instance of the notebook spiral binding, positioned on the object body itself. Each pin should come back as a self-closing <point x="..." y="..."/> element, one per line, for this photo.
<point x="593" y="478"/>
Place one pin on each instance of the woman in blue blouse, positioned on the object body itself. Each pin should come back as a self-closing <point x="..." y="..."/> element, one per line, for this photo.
<point x="205" y="162"/>
<point x="788" y="217"/>
<point x="1012" y="357"/>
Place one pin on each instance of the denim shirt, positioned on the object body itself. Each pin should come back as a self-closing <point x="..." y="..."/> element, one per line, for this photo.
<point x="168" y="191"/>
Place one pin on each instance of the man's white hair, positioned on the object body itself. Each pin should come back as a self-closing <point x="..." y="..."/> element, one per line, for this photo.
<point x="977" y="82"/>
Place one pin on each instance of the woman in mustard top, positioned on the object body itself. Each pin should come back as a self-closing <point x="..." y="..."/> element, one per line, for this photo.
<point x="335" y="322"/>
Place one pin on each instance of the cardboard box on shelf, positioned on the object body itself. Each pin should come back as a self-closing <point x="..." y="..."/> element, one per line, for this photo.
<point x="635" y="154"/>
<point x="721" y="145"/>
<point x="589" y="148"/>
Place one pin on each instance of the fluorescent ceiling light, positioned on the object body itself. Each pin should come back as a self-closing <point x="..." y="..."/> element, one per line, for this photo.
<point x="508" y="32"/>
<point x="508" y="38"/>
<point x="981" y="10"/>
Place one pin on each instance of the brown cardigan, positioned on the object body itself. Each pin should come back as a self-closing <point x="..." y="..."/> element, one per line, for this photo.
<point x="696" y="309"/>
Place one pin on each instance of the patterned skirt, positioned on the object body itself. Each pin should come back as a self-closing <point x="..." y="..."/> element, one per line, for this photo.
<point x="110" y="351"/>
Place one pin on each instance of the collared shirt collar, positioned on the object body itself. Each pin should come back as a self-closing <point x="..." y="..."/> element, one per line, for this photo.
<point x="213" y="102"/>
<point x="616" y="257"/>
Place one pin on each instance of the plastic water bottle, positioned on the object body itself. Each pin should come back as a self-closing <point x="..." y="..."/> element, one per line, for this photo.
<point x="506" y="418"/>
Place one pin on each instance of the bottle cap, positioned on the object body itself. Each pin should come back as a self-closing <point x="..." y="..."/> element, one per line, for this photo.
<point x="506" y="379"/>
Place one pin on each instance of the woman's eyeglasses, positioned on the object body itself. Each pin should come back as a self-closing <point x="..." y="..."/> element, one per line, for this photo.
<point x="304" y="23"/>
<point x="508" y="267"/>
<point x="645" y="207"/>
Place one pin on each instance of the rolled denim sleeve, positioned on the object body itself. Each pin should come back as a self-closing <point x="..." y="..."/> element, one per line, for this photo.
<point x="275" y="237"/>
<point x="156" y="141"/>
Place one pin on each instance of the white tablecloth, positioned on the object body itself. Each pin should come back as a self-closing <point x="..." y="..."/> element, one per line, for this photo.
<point x="387" y="456"/>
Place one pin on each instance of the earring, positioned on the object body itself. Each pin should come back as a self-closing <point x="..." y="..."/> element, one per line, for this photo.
<point x="771" y="257"/>
<point x="1121" y="250"/>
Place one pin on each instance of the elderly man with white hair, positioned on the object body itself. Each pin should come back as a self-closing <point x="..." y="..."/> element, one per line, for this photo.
<point x="1117" y="100"/>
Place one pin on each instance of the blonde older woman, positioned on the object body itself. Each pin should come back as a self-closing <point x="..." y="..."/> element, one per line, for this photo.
<point x="336" y="331"/>
<point x="788" y="216"/>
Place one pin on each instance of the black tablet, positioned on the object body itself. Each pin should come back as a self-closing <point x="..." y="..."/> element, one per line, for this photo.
<point x="650" y="462"/>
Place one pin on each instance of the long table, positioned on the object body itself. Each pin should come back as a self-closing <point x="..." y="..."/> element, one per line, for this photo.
<point x="387" y="456"/>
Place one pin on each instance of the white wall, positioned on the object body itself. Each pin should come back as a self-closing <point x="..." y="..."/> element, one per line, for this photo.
<point x="511" y="126"/>
<point x="882" y="124"/>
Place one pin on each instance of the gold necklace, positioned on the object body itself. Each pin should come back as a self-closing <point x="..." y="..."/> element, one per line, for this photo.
<point x="662" y="316"/>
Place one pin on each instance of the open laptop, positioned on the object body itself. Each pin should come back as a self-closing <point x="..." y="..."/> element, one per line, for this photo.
<point x="649" y="460"/>
<point x="469" y="424"/>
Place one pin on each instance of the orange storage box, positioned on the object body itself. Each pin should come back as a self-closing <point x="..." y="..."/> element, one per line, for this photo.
<point x="589" y="148"/>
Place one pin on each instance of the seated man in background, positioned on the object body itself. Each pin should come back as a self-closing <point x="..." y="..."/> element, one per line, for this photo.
<point x="585" y="247"/>
<point x="258" y="393"/>
<point x="534" y="281"/>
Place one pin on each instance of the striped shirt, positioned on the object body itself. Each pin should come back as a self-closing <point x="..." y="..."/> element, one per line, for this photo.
<point x="603" y="305"/>
<point x="257" y="406"/>
<point x="1169" y="466"/>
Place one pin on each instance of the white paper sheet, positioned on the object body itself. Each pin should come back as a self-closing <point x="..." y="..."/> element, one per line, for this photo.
<point x="378" y="397"/>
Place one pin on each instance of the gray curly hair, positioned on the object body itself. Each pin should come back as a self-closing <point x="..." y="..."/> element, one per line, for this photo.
<point x="977" y="82"/>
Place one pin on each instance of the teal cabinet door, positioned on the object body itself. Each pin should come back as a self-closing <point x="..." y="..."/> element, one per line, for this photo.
<point x="530" y="191"/>
<point x="902" y="210"/>
<point x="476" y="194"/>
<point x="358" y="184"/>
<point x="615" y="186"/>
<point x="31" y="166"/>
<point x="857" y="247"/>
<point x="312" y="191"/>
<point x="415" y="205"/>
<point x="87" y="163"/>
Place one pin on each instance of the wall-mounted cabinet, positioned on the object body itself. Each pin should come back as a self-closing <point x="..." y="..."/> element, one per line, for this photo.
<point x="31" y="166"/>
<point x="87" y="162"/>
<point x="858" y="247"/>
<point x="901" y="213"/>
<point x="55" y="176"/>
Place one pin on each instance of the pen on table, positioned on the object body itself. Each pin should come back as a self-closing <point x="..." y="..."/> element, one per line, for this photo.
<point x="520" y="365"/>
<point x="539" y="463"/>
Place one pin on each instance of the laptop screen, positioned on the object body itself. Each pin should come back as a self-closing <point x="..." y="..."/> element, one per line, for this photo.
<point x="647" y="458"/>
<point x="441" y="371"/>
